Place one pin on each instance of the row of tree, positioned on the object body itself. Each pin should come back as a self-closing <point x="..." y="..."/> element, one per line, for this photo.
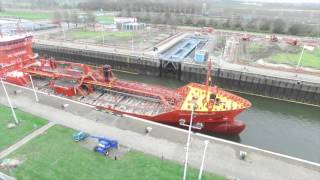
<point x="278" y="25"/>
<point x="171" y="6"/>
<point x="68" y="17"/>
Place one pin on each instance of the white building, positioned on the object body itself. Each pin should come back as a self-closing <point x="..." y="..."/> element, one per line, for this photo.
<point x="128" y="23"/>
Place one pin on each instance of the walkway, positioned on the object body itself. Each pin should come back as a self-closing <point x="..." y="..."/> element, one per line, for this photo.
<point x="26" y="139"/>
<point x="267" y="72"/>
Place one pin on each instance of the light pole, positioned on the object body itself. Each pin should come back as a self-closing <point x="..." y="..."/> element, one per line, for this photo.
<point x="220" y="59"/>
<point x="132" y="45"/>
<point x="300" y="58"/>
<point x="206" y="142"/>
<point x="34" y="90"/>
<point x="102" y="35"/>
<point x="64" y="35"/>
<point x="9" y="102"/>
<point x="188" y="144"/>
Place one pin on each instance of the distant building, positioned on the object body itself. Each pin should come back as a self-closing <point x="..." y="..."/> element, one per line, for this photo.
<point x="9" y="26"/>
<point x="200" y="56"/>
<point x="123" y="20"/>
<point x="128" y="23"/>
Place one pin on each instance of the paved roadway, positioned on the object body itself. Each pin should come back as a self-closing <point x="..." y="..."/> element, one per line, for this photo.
<point x="269" y="72"/>
<point x="115" y="50"/>
<point x="85" y="46"/>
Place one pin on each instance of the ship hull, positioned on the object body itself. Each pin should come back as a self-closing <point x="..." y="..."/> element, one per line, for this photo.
<point x="222" y="122"/>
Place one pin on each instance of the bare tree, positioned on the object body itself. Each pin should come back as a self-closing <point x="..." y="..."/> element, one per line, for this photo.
<point x="252" y="25"/>
<point x="227" y="24"/>
<point x="265" y="25"/>
<point x="75" y="18"/>
<point x="300" y="29"/>
<point x="57" y="17"/>
<point x="66" y="18"/>
<point x="237" y="23"/>
<point x="1" y="6"/>
<point x="91" y="19"/>
<point x="279" y="26"/>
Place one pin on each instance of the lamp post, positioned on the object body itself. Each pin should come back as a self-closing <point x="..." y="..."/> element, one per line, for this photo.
<point x="300" y="58"/>
<point x="206" y="142"/>
<point x="188" y="144"/>
<point x="64" y="35"/>
<point x="34" y="90"/>
<point x="132" y="46"/>
<point x="102" y="34"/>
<point x="10" y="104"/>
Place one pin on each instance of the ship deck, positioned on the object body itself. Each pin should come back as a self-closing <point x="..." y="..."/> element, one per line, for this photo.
<point x="198" y="96"/>
<point x="108" y="98"/>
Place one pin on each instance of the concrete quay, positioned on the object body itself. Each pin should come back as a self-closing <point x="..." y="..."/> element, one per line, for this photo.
<point x="223" y="157"/>
<point x="264" y="82"/>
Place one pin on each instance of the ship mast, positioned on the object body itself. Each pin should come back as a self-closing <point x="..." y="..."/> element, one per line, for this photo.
<point x="18" y="27"/>
<point x="206" y="100"/>
<point x="1" y="31"/>
<point x="208" y="79"/>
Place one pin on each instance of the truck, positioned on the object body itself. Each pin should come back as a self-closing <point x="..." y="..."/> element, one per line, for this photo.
<point x="104" y="144"/>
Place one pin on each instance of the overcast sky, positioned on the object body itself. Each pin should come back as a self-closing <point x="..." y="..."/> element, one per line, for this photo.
<point x="287" y="1"/>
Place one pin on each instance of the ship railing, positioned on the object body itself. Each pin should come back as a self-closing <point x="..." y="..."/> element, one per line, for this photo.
<point x="242" y="103"/>
<point x="14" y="46"/>
<point x="149" y="91"/>
<point x="144" y="110"/>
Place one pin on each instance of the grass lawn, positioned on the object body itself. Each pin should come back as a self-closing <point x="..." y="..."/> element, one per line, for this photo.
<point x="255" y="48"/>
<point x="54" y="155"/>
<point x="28" y="15"/>
<point x="105" y="19"/>
<point x="309" y="59"/>
<point x="27" y="125"/>
<point x="117" y="35"/>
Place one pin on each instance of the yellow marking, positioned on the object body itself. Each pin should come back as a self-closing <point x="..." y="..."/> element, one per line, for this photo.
<point x="198" y="96"/>
<point x="286" y="100"/>
<point x="128" y="72"/>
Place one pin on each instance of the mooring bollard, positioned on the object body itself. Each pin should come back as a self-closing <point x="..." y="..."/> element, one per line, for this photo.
<point x="243" y="155"/>
<point x="17" y="91"/>
<point x="64" y="106"/>
<point x="148" y="130"/>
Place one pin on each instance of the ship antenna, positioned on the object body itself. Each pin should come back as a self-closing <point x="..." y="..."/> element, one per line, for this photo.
<point x="18" y="29"/>
<point x="208" y="81"/>
<point x="1" y="31"/>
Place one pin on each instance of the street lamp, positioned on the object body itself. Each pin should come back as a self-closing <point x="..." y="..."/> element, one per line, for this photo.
<point x="132" y="45"/>
<point x="300" y="58"/>
<point x="34" y="90"/>
<point x="64" y="35"/>
<point x="206" y="142"/>
<point x="188" y="144"/>
<point x="102" y="35"/>
<point x="10" y="104"/>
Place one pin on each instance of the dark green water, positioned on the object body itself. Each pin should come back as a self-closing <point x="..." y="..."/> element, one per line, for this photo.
<point x="282" y="127"/>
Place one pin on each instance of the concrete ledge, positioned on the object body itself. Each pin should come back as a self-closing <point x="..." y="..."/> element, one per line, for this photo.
<point x="224" y="154"/>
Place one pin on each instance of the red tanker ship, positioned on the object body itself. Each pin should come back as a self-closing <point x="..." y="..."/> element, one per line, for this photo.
<point x="214" y="108"/>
